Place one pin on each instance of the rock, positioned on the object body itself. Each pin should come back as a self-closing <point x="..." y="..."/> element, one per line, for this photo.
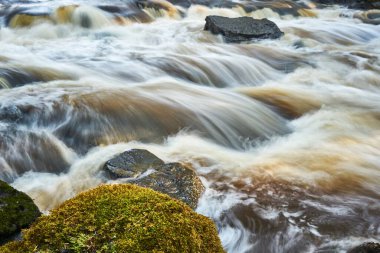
<point x="176" y="180"/>
<point x="145" y="169"/>
<point x="25" y="17"/>
<point x="368" y="247"/>
<point x="160" y="5"/>
<point x="130" y="11"/>
<point x="132" y="164"/>
<point x="283" y="7"/>
<point x="17" y="211"/>
<point x="11" y="77"/>
<point x="242" y="28"/>
<point x="120" y="218"/>
<point x="353" y="4"/>
<point x="369" y="17"/>
<point x="10" y="113"/>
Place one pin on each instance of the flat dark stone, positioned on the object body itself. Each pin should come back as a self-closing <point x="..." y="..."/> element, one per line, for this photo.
<point x="242" y="28"/>
<point x="131" y="164"/>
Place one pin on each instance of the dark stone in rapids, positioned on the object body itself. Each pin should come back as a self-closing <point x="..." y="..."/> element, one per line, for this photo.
<point x="354" y="4"/>
<point x="17" y="211"/>
<point x="16" y="77"/>
<point x="369" y="17"/>
<point x="368" y="247"/>
<point x="145" y="169"/>
<point x="10" y="113"/>
<point x="132" y="163"/>
<point x="242" y="28"/>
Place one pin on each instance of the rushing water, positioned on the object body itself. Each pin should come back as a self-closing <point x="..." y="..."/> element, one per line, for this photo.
<point x="285" y="134"/>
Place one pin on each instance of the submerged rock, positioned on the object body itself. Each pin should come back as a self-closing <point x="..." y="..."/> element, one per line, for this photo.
<point x="369" y="17"/>
<point x="368" y="247"/>
<point x="17" y="211"/>
<point x="145" y="169"/>
<point x="120" y="218"/>
<point x="242" y="28"/>
<point x="282" y="7"/>
<point x="10" y="113"/>
<point x="24" y="17"/>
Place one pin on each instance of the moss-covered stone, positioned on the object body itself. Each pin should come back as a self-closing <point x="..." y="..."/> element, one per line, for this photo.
<point x="17" y="211"/>
<point x="120" y="218"/>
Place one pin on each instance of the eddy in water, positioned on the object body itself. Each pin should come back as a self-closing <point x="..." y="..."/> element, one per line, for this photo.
<point x="283" y="131"/>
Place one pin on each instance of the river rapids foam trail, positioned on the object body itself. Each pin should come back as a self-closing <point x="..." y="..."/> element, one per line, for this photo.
<point x="285" y="134"/>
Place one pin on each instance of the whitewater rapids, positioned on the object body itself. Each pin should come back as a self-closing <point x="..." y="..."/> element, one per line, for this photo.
<point x="285" y="134"/>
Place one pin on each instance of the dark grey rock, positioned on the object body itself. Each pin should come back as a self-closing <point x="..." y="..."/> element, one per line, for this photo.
<point x="354" y="4"/>
<point x="132" y="164"/>
<point x="17" y="211"/>
<point x="10" y="113"/>
<point x="368" y="247"/>
<point x="143" y="168"/>
<point x="242" y="28"/>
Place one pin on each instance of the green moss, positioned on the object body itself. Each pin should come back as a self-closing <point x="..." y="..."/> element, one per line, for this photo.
<point x="120" y="218"/>
<point x="17" y="210"/>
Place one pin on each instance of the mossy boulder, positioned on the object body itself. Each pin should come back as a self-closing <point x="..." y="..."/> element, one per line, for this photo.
<point x="17" y="211"/>
<point x="143" y="168"/>
<point x="120" y="218"/>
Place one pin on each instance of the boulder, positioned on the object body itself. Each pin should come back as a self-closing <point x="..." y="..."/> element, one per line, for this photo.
<point x="132" y="164"/>
<point x="176" y="180"/>
<point x="242" y="28"/>
<point x="120" y="218"/>
<point x="17" y="211"/>
<point x="143" y="168"/>
<point x="368" y="247"/>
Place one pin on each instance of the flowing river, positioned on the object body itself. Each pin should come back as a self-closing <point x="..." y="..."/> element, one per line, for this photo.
<point x="285" y="133"/>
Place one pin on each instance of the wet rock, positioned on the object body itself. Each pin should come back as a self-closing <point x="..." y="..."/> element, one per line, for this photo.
<point x="145" y="169"/>
<point x="131" y="164"/>
<point x="130" y="11"/>
<point x="160" y="5"/>
<point x="17" y="211"/>
<point x="242" y="28"/>
<point x="25" y="17"/>
<point x="11" y="77"/>
<point x="369" y="17"/>
<point x="176" y="180"/>
<point x="299" y="44"/>
<point x="182" y="3"/>
<point x="283" y="7"/>
<point x="368" y="247"/>
<point x="10" y="113"/>
<point x="354" y="4"/>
